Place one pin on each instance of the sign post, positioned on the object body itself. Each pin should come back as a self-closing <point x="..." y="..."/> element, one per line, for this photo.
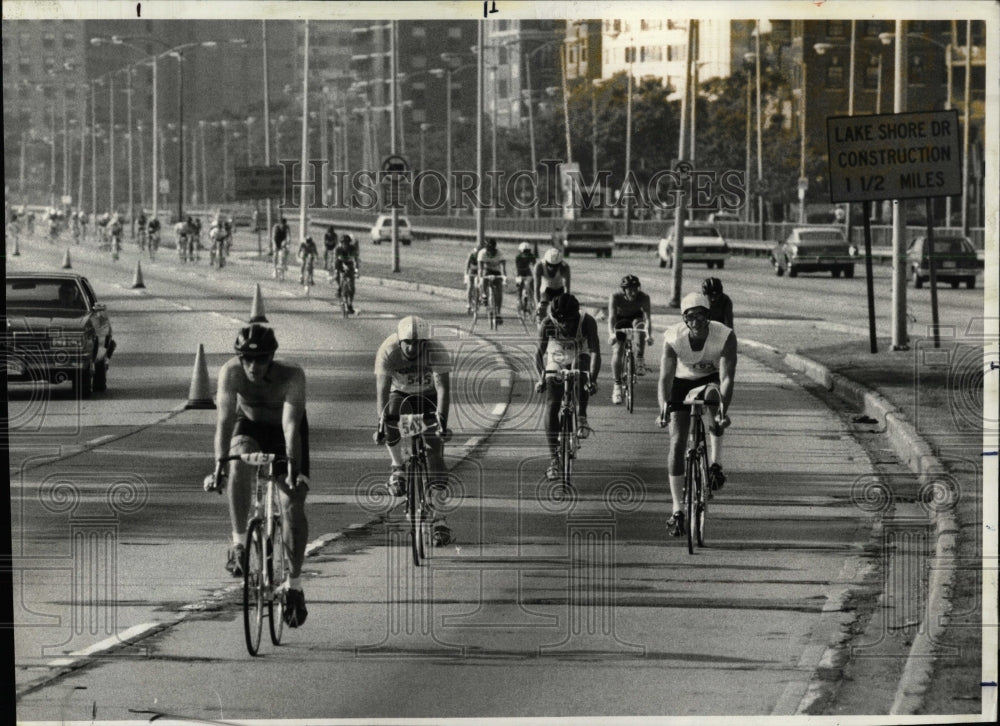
<point x="895" y="156"/>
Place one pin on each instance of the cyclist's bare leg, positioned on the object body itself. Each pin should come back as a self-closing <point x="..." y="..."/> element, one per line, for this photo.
<point x="617" y="358"/>
<point x="297" y="526"/>
<point x="679" y="424"/>
<point x="240" y="488"/>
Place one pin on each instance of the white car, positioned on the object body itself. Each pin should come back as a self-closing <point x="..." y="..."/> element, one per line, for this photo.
<point x="702" y="243"/>
<point x="382" y="230"/>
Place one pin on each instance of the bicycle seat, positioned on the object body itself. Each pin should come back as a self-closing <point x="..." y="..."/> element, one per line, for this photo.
<point x="709" y="393"/>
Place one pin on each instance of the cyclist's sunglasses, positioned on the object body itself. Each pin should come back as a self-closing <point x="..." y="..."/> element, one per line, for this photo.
<point x="256" y="358"/>
<point x="695" y="317"/>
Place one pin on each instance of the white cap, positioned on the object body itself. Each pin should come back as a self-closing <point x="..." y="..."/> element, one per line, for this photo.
<point x="694" y="300"/>
<point x="553" y="256"/>
<point x="412" y="327"/>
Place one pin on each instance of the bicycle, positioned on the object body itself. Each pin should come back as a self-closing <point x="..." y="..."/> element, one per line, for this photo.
<point x="154" y="243"/>
<point x="569" y="437"/>
<point x="628" y="365"/>
<point x="492" y="300"/>
<point x="306" y="272"/>
<point x="217" y="253"/>
<point x="116" y="245"/>
<point x="280" y="263"/>
<point x="525" y="298"/>
<point x="266" y="560"/>
<point x="419" y="511"/>
<point x="697" y="490"/>
<point x="346" y="293"/>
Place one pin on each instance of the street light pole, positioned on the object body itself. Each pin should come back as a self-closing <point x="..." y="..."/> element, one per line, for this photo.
<point x="900" y="339"/>
<point x="628" y="144"/>
<point x="111" y="141"/>
<point x="131" y="189"/>
<point x="760" y="140"/>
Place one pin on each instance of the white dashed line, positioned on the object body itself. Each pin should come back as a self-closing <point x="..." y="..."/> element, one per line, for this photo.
<point x="499" y="409"/>
<point x="100" y="440"/>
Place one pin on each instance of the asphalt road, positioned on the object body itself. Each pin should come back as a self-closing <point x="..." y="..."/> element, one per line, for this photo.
<point x="540" y="608"/>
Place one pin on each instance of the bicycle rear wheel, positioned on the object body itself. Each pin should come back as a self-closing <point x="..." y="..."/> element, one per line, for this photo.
<point x="253" y="587"/>
<point x="279" y="567"/>
<point x="690" y="502"/>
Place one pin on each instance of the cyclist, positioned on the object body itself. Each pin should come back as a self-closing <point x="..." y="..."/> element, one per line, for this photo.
<point x="140" y="226"/>
<point x="74" y="219"/>
<point x="115" y="232"/>
<point x="220" y="234"/>
<point x="262" y="407"/>
<point x="183" y="232"/>
<point x="721" y="310"/>
<point x="307" y="255"/>
<point x="410" y="364"/>
<point x="566" y="337"/>
<point x="346" y="262"/>
<point x="472" y="275"/>
<point x="194" y="238"/>
<point x="330" y="241"/>
<point x="490" y="261"/>
<point x="524" y="263"/>
<point x="696" y="351"/>
<point x="153" y="229"/>
<point x="279" y="244"/>
<point x="625" y="310"/>
<point x="29" y="221"/>
<point x="551" y="280"/>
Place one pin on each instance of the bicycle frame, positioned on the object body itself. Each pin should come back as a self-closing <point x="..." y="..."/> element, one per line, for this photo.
<point x="696" y="487"/>
<point x="569" y="442"/>
<point x="492" y="299"/>
<point x="628" y="374"/>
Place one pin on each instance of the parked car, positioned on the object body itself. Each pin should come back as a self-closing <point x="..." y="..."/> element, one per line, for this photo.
<point x="814" y="249"/>
<point x="724" y="217"/>
<point x="382" y="230"/>
<point x="57" y="331"/>
<point x="702" y="243"/>
<point x="239" y="217"/>
<point x="955" y="261"/>
<point x="584" y="235"/>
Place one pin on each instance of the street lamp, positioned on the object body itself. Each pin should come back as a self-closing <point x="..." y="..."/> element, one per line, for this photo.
<point x="630" y="59"/>
<point x="451" y="67"/>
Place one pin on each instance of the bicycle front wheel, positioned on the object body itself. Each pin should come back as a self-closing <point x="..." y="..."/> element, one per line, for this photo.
<point x="253" y="587"/>
<point x="566" y="452"/>
<point x="690" y="502"/>
<point x="425" y="518"/>
<point x="629" y="380"/>
<point x="701" y="507"/>
<point x="278" y="571"/>
<point x="413" y="512"/>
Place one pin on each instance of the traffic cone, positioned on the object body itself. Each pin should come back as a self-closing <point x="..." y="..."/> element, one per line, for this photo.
<point x="200" y="395"/>
<point x="17" y="248"/>
<point x="257" y="308"/>
<point x="66" y="264"/>
<point x="137" y="282"/>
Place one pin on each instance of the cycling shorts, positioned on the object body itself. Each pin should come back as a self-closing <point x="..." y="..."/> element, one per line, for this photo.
<point x="270" y="439"/>
<point x="681" y="388"/>
<point x="549" y="294"/>
<point x="624" y="323"/>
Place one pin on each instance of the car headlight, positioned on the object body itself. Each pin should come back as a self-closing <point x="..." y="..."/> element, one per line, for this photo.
<point x="852" y="251"/>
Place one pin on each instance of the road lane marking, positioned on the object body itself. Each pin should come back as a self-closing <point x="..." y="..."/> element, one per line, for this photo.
<point x="135" y="632"/>
<point x="101" y="440"/>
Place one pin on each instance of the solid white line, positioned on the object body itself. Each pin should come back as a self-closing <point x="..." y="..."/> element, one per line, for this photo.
<point x="499" y="409"/>
<point x="100" y="440"/>
<point x="106" y="644"/>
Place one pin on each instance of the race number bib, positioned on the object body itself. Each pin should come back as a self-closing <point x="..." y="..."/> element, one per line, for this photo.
<point x="412" y="424"/>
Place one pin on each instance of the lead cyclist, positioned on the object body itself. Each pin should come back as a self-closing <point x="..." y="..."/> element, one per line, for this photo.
<point x="696" y="351"/>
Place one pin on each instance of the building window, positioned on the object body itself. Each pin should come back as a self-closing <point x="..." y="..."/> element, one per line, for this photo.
<point x="454" y="32"/>
<point x="25" y="40"/>
<point x="502" y="55"/>
<point x="871" y="73"/>
<point x="69" y="40"/>
<point x="49" y="63"/>
<point x="917" y="76"/>
<point x="419" y="31"/>
<point x="48" y="91"/>
<point x="872" y="28"/>
<point x="419" y="61"/>
<point x="419" y="115"/>
<point x="48" y="39"/>
<point x="70" y="93"/>
<point x="502" y="88"/>
<point x="836" y="28"/>
<point x="835" y="73"/>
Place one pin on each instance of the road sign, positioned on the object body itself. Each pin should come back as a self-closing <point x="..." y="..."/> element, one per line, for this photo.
<point x="894" y="156"/>
<point x="164" y="187"/>
<point x="260" y="182"/>
<point x="67" y="199"/>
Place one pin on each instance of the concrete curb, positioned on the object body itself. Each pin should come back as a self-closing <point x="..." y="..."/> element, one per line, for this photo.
<point x="936" y="497"/>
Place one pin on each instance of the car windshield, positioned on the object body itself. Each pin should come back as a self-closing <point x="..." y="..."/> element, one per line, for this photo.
<point x="953" y="246"/>
<point x="820" y="237"/>
<point x="701" y="232"/>
<point x="48" y="294"/>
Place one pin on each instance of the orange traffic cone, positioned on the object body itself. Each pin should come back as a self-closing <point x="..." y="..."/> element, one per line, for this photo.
<point x="66" y="264"/>
<point x="257" y="308"/>
<point x="200" y="395"/>
<point x="137" y="281"/>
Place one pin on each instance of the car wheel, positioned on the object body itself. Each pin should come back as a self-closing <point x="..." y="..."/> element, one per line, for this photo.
<point x="849" y="271"/>
<point x="778" y="269"/>
<point x="918" y="281"/>
<point x="663" y="262"/>
<point x="83" y="386"/>
<point x="954" y="284"/>
<point x="100" y="375"/>
<point x="710" y="265"/>
<point x="970" y="283"/>
<point x="720" y="264"/>
<point x="835" y="272"/>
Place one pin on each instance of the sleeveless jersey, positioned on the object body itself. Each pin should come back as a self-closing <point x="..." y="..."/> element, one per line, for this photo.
<point x="556" y="281"/>
<point x="491" y="263"/>
<point x="564" y="350"/>
<point x="692" y="364"/>
<point x="626" y="309"/>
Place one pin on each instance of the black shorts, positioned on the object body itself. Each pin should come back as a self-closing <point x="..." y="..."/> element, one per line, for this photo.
<point x="271" y="440"/>
<point x="549" y="294"/>
<point x="681" y="388"/>
<point x="625" y="323"/>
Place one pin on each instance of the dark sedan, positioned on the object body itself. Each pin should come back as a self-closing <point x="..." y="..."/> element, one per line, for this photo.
<point x="814" y="249"/>
<point x="57" y="332"/>
<point x="955" y="261"/>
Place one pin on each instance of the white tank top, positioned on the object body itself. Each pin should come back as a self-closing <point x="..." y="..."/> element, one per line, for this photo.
<point x="564" y="351"/>
<point x="556" y="281"/>
<point x="692" y="364"/>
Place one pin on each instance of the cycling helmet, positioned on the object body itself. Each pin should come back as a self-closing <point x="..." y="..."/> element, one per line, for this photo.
<point x="564" y="308"/>
<point x="712" y="286"/>
<point x="694" y="300"/>
<point x="412" y="327"/>
<point x="524" y="247"/>
<point x="630" y="281"/>
<point x="553" y="257"/>
<point x="491" y="244"/>
<point x="255" y="340"/>
<point x="346" y="239"/>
